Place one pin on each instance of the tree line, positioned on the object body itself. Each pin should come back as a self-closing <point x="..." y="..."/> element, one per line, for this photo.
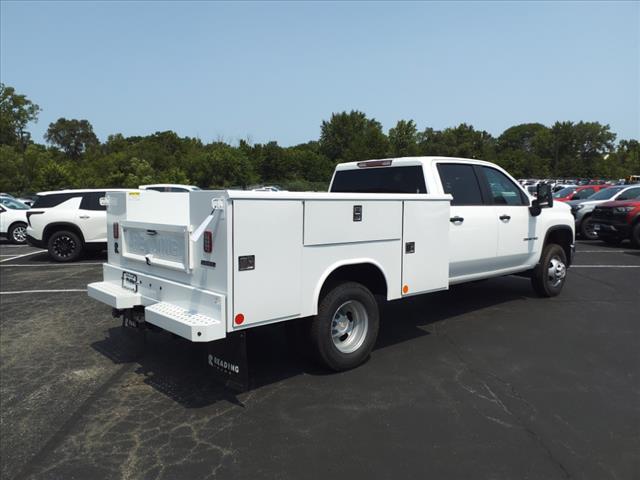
<point x="74" y="157"/>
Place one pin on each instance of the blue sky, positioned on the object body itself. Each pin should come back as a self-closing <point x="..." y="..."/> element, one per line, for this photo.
<point x="274" y="71"/>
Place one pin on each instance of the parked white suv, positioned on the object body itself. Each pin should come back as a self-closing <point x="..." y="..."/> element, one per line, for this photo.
<point x="13" y="219"/>
<point x="68" y="222"/>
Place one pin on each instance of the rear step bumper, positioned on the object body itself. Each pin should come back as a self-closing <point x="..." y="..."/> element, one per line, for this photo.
<point x="192" y="313"/>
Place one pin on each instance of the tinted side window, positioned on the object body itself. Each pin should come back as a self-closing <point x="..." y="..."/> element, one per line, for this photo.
<point x="461" y="182"/>
<point x="503" y="190"/>
<point x="380" y="180"/>
<point x="585" y="193"/>
<point x="91" y="201"/>
<point x="53" y="200"/>
<point x="630" y="194"/>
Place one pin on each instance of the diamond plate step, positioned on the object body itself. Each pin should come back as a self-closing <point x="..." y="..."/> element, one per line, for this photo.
<point x="190" y="325"/>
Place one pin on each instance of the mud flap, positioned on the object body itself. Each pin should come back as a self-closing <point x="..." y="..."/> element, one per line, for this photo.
<point x="228" y="359"/>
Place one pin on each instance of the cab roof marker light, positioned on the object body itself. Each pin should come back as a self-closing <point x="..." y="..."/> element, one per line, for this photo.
<point x="375" y="163"/>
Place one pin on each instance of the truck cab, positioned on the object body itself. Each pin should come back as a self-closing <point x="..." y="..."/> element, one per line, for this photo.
<point x="495" y="228"/>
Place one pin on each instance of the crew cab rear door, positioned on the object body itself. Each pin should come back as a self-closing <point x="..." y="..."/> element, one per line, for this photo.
<point x="473" y="231"/>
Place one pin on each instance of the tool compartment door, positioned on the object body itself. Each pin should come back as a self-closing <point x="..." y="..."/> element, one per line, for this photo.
<point x="425" y="247"/>
<point x="267" y="260"/>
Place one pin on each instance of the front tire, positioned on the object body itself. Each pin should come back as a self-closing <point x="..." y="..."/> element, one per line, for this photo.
<point x="65" y="246"/>
<point x="549" y="275"/>
<point x="18" y="233"/>
<point x="587" y="231"/>
<point x="346" y="327"/>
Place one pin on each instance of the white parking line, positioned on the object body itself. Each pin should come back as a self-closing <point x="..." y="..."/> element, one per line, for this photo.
<point x="44" y="291"/>
<point x="50" y="264"/>
<point x="605" y="266"/>
<point x="20" y="256"/>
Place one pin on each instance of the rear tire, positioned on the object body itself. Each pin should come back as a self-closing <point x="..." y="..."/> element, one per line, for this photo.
<point x="346" y="327"/>
<point x="549" y="275"/>
<point x="635" y="236"/>
<point x="65" y="246"/>
<point x="18" y="233"/>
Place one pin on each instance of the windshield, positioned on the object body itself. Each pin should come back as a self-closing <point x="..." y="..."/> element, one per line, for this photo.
<point x="13" y="204"/>
<point x="605" y="194"/>
<point x="564" y="192"/>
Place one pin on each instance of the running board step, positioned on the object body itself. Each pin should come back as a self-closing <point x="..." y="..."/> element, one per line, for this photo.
<point x="187" y="324"/>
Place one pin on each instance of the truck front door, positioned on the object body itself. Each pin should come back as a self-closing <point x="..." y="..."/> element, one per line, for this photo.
<point x="473" y="232"/>
<point x="517" y="230"/>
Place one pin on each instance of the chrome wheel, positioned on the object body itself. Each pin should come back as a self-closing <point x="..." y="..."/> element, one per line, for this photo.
<point x="349" y="326"/>
<point x="64" y="246"/>
<point x="556" y="271"/>
<point x="20" y="234"/>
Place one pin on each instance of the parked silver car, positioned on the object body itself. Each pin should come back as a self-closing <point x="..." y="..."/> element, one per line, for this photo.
<point x="582" y="209"/>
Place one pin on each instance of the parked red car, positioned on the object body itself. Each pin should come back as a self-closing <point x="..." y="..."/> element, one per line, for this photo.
<point x="618" y="220"/>
<point x="577" y="193"/>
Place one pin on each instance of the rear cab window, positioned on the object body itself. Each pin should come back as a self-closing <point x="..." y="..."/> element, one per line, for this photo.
<point x="460" y="180"/>
<point x="406" y="179"/>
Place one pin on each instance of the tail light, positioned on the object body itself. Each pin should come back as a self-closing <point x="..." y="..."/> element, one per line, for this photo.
<point x="116" y="230"/>
<point x="208" y="241"/>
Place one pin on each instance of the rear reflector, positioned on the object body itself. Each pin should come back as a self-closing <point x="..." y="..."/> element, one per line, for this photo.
<point x="116" y="230"/>
<point x="375" y="163"/>
<point x="208" y="241"/>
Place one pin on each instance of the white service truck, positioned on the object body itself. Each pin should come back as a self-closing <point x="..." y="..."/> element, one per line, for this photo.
<point x="208" y="264"/>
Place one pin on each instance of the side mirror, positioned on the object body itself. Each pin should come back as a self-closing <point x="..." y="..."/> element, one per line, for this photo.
<point x="544" y="195"/>
<point x="544" y="199"/>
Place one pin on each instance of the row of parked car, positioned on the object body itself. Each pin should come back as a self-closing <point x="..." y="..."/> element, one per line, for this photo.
<point x="70" y="222"/>
<point x="65" y="222"/>
<point x="611" y="214"/>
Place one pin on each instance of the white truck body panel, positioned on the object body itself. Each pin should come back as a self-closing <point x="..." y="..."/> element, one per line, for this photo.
<point x="296" y="239"/>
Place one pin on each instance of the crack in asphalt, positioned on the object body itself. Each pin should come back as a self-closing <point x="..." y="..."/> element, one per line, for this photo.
<point x="59" y="436"/>
<point x="494" y="398"/>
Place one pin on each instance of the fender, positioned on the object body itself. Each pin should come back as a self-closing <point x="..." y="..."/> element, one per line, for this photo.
<point x="47" y="232"/>
<point x="569" y="249"/>
<point x="344" y="263"/>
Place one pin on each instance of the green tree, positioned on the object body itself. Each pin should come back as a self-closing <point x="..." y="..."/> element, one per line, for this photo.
<point x="54" y="176"/>
<point x="16" y="111"/>
<point x="403" y="139"/>
<point x="461" y="141"/>
<point x="73" y="136"/>
<point x="349" y="137"/>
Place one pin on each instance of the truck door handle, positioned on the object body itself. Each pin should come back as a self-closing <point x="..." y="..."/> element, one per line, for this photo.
<point x="84" y="217"/>
<point x="505" y="218"/>
<point x="456" y="219"/>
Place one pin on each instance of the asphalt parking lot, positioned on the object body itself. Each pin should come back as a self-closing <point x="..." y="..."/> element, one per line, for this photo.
<point x="483" y="381"/>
